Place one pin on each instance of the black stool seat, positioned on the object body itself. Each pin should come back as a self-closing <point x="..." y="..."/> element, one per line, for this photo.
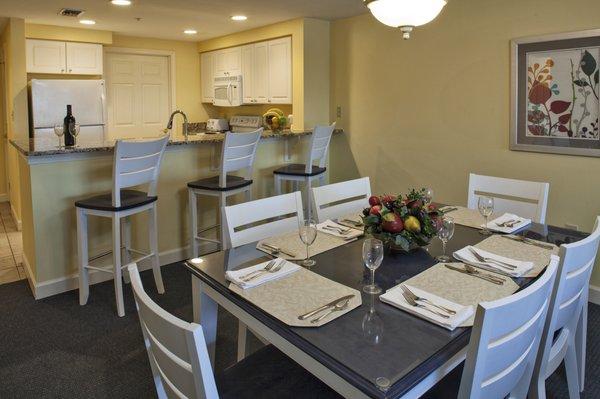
<point x="267" y="374"/>
<point x="298" y="169"/>
<point x="103" y="202"/>
<point x="212" y="183"/>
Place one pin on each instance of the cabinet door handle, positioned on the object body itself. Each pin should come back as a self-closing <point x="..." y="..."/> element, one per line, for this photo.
<point x="62" y="71"/>
<point x="70" y="70"/>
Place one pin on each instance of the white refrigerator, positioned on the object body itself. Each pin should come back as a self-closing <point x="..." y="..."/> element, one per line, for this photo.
<point x="48" y="107"/>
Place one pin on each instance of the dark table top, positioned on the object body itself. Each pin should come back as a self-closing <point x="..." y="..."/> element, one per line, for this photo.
<point x="383" y="353"/>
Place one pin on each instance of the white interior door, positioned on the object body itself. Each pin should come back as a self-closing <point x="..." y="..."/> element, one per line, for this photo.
<point x="138" y="91"/>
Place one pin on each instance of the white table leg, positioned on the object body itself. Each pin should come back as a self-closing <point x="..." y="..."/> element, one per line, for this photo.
<point x="205" y="311"/>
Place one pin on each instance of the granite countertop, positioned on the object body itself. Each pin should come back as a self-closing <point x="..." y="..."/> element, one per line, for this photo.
<point x="40" y="147"/>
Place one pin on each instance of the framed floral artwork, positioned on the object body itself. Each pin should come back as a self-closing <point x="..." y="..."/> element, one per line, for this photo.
<point x="555" y="89"/>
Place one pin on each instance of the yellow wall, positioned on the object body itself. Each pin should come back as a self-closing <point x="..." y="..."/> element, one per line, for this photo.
<point x="427" y="111"/>
<point x="51" y="32"/>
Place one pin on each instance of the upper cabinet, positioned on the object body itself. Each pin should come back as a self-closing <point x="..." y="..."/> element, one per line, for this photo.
<point x="266" y="69"/>
<point x="48" y="56"/>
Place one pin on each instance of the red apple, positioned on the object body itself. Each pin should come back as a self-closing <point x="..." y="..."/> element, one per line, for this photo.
<point x="374" y="200"/>
<point x="415" y="204"/>
<point x="389" y="198"/>
<point x="375" y="210"/>
<point x="392" y="223"/>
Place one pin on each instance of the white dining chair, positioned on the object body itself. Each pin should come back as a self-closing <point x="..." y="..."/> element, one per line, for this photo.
<point x="336" y="200"/>
<point x="505" y="341"/>
<point x="524" y="198"/>
<point x="181" y="367"/>
<point x="565" y="316"/>
<point x="306" y="173"/>
<point x="135" y="163"/>
<point x="238" y="153"/>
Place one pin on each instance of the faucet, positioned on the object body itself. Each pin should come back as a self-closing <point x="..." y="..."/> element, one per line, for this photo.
<point x="185" y="122"/>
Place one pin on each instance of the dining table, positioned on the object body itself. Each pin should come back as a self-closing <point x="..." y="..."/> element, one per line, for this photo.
<point x="373" y="351"/>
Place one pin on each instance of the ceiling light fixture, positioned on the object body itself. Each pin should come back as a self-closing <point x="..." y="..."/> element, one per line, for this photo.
<point x="405" y="14"/>
<point x="87" y="21"/>
<point x="121" y="2"/>
<point x="190" y="31"/>
<point x="239" y="17"/>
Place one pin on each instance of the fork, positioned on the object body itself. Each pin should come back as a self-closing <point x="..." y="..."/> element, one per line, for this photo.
<point x="505" y="223"/>
<point x="488" y="260"/>
<point x="340" y="230"/>
<point x="274" y="269"/>
<point x="268" y="267"/>
<point x="472" y="270"/>
<point x="414" y="303"/>
<point x="421" y="299"/>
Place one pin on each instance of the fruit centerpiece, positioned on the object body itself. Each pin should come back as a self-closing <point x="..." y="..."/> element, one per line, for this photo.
<point x="402" y="223"/>
<point x="275" y="119"/>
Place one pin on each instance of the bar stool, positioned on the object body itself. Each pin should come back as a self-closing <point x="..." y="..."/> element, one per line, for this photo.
<point x="238" y="153"/>
<point x="296" y="173"/>
<point x="135" y="163"/>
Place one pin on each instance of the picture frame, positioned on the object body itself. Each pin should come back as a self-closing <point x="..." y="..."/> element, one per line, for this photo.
<point x="554" y="93"/>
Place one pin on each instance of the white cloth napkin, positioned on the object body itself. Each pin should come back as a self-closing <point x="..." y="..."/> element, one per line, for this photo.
<point x="352" y="233"/>
<point x="394" y="297"/>
<point x="465" y="255"/>
<point x="522" y="222"/>
<point x="235" y="275"/>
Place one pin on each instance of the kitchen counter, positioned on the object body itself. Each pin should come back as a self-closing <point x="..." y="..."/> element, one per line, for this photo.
<point x="43" y="147"/>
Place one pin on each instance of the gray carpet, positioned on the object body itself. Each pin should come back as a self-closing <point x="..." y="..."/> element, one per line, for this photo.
<point x="54" y="348"/>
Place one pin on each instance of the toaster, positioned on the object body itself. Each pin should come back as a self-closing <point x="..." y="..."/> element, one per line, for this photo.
<point x="217" y="125"/>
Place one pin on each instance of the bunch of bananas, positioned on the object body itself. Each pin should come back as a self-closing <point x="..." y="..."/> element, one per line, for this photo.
<point x="275" y="119"/>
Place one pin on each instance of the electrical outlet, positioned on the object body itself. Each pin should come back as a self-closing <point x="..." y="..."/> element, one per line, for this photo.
<point x="339" y="111"/>
<point x="572" y="226"/>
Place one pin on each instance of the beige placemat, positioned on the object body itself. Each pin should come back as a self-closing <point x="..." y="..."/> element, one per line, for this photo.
<point x="296" y="294"/>
<point x="468" y="217"/>
<point x="290" y="242"/>
<point x="461" y="288"/>
<point x="503" y="246"/>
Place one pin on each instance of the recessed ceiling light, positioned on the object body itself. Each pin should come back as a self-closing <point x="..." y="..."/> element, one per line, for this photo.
<point x="121" y="2"/>
<point x="87" y="21"/>
<point x="190" y="31"/>
<point x="239" y="17"/>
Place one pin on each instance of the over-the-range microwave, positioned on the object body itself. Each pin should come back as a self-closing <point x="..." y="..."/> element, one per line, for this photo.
<point x="228" y="91"/>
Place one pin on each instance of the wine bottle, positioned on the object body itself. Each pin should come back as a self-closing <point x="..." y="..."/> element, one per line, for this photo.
<point x="69" y="121"/>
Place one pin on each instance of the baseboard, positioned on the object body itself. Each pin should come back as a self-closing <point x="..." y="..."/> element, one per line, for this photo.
<point x="4" y="197"/>
<point x="63" y="284"/>
<point x="594" y="294"/>
<point x="15" y="218"/>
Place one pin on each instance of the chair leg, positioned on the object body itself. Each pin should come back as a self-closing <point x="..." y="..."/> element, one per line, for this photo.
<point x="223" y="228"/>
<point x="322" y="180"/>
<point x="581" y="340"/>
<point x="571" y="369"/>
<point x="193" y="208"/>
<point x="277" y="184"/>
<point x="308" y="198"/>
<point x="241" y="344"/>
<point x="116" y="235"/>
<point x="126" y="234"/>
<point x="82" y="255"/>
<point x="248" y="194"/>
<point x="153" y="238"/>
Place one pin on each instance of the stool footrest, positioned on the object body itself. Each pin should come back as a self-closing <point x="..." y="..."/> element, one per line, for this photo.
<point x="108" y="270"/>
<point x="208" y="239"/>
<point x="209" y="228"/>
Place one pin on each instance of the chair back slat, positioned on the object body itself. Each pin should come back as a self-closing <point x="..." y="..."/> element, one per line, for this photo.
<point x="341" y="199"/>
<point x="255" y="220"/>
<point x="176" y="349"/>
<point x="136" y="163"/>
<point x="239" y="151"/>
<point x="524" y="198"/>
<point x="319" y="146"/>
<point x="505" y="340"/>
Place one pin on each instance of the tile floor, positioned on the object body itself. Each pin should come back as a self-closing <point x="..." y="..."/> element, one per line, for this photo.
<point x="11" y="248"/>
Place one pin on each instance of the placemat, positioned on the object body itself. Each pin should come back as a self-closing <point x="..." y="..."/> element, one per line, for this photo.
<point x="468" y="217"/>
<point x="296" y="294"/>
<point x="290" y="242"/>
<point x="503" y="246"/>
<point x="461" y="288"/>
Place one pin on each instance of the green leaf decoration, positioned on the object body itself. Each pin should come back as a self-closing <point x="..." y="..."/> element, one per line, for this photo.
<point x="581" y="83"/>
<point x="588" y="63"/>
<point x="596" y="76"/>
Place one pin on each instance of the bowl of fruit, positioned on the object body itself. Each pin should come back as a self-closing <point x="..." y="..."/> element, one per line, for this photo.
<point x="275" y="120"/>
<point x="403" y="223"/>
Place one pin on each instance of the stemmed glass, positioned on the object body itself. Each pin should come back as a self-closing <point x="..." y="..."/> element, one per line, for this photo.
<point x="308" y="235"/>
<point x="74" y="130"/>
<point x="486" y="208"/>
<point x="445" y="233"/>
<point x="372" y="325"/>
<point x="372" y="253"/>
<point x="428" y="196"/>
<point x="59" y="131"/>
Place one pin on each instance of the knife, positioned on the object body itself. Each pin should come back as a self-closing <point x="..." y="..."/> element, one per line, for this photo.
<point x="491" y="279"/>
<point x="448" y="209"/>
<point x="529" y="241"/>
<point x="325" y="307"/>
<point x="277" y="249"/>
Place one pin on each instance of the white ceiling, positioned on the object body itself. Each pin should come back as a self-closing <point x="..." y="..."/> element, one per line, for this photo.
<point x="168" y="18"/>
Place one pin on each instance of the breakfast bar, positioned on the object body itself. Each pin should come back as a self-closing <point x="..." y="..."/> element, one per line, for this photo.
<point x="54" y="178"/>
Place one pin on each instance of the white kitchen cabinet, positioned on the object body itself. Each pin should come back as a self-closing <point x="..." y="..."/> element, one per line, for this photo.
<point x="248" y="74"/>
<point x="228" y="62"/>
<point x="207" y="76"/>
<point x="280" y="71"/>
<point x="55" y="57"/>
<point x="261" y="73"/>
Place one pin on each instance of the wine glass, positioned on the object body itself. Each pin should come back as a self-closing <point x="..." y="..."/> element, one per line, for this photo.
<point x="74" y="130"/>
<point x="428" y="195"/>
<point x="372" y="325"/>
<point x="59" y="131"/>
<point x="372" y="253"/>
<point x="308" y="235"/>
<point x="445" y="233"/>
<point x="486" y="208"/>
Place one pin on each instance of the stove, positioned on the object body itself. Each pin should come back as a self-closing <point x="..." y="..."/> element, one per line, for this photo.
<point x="242" y="124"/>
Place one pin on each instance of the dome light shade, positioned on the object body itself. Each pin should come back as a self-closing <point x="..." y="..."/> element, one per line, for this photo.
<point x="405" y="14"/>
